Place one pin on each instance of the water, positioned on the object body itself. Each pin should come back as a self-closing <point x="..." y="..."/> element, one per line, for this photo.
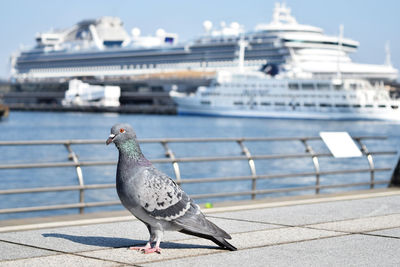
<point x="55" y="126"/>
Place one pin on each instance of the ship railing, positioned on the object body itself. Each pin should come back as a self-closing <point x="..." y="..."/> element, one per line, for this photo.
<point x="171" y="158"/>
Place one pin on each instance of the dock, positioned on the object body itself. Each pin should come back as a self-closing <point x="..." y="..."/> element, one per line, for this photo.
<point x="359" y="228"/>
<point x="129" y="109"/>
<point x="140" y="94"/>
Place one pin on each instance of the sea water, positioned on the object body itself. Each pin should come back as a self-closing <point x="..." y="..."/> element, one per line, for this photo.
<point x="62" y="126"/>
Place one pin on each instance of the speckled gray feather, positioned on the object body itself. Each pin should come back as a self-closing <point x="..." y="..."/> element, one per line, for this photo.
<point x="155" y="198"/>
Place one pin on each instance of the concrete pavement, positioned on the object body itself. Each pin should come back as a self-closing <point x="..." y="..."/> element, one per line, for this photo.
<point x="352" y="229"/>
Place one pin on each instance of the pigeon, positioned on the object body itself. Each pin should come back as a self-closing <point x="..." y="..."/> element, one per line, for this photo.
<point x="154" y="198"/>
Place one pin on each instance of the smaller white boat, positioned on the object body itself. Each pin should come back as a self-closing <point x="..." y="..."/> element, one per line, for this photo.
<point x="84" y="94"/>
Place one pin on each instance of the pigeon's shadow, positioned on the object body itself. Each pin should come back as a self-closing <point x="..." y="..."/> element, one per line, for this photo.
<point x="115" y="242"/>
<point x="100" y="241"/>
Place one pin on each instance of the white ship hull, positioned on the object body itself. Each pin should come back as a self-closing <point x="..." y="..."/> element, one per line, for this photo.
<point x="84" y="94"/>
<point x="288" y="114"/>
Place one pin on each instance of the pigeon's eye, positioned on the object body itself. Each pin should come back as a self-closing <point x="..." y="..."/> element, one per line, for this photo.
<point x="122" y="130"/>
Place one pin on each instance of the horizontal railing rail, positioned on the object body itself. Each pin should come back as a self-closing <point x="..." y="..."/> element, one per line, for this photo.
<point x="188" y="159"/>
<point x="175" y="140"/>
<point x="172" y="158"/>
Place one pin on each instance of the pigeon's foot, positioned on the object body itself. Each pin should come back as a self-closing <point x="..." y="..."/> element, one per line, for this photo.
<point x="144" y="248"/>
<point x="147" y="249"/>
<point x="137" y="248"/>
<point x="151" y="250"/>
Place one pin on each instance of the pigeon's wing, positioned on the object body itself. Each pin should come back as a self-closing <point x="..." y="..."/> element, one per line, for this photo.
<point x="160" y="196"/>
<point x="163" y="199"/>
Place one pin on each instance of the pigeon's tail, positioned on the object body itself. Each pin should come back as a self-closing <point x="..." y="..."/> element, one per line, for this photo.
<point x="195" y="223"/>
<point x="223" y="243"/>
<point x="220" y="241"/>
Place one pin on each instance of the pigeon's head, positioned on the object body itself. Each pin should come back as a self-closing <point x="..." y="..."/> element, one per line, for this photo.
<point x="121" y="132"/>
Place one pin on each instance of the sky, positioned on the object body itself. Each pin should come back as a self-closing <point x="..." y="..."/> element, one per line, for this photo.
<point x="372" y="23"/>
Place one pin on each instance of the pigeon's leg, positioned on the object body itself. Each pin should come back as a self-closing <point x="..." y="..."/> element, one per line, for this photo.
<point x="156" y="248"/>
<point x="148" y="244"/>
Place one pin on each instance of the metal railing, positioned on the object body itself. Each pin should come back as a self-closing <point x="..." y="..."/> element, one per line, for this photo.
<point x="171" y="158"/>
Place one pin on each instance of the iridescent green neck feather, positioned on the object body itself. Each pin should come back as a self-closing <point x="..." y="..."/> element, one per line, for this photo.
<point x="130" y="149"/>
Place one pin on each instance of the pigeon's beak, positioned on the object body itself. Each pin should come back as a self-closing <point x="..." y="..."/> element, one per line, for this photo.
<point x="110" y="139"/>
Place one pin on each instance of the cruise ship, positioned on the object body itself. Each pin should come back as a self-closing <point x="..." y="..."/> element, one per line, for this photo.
<point x="102" y="48"/>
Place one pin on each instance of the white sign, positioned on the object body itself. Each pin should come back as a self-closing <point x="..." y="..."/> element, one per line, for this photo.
<point x="340" y="144"/>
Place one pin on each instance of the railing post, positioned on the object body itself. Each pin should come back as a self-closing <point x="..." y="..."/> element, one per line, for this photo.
<point x="395" y="181"/>
<point x="315" y="162"/>
<point x="72" y="156"/>
<point x="175" y="165"/>
<point x="370" y="159"/>
<point x="252" y="165"/>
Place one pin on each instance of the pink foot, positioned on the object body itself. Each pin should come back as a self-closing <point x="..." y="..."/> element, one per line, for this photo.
<point x="151" y="250"/>
<point x="139" y="248"/>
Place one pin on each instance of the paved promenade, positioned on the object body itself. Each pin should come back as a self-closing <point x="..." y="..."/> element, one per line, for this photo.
<point x="358" y="229"/>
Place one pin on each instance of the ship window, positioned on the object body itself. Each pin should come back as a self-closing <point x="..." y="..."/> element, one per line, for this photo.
<point x="338" y="86"/>
<point x="294" y="104"/>
<point x="342" y="105"/>
<point x="309" y="104"/>
<point x="238" y="103"/>
<point x="325" y="105"/>
<point x="265" y="103"/>
<point x="279" y="103"/>
<point x="169" y="40"/>
<point x="323" y="86"/>
<point x="293" y="86"/>
<point x="205" y="102"/>
<point x="369" y="106"/>
<point x="394" y="106"/>
<point x="112" y="43"/>
<point x="307" y="86"/>
<point x="356" y="106"/>
<point x="381" y="106"/>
